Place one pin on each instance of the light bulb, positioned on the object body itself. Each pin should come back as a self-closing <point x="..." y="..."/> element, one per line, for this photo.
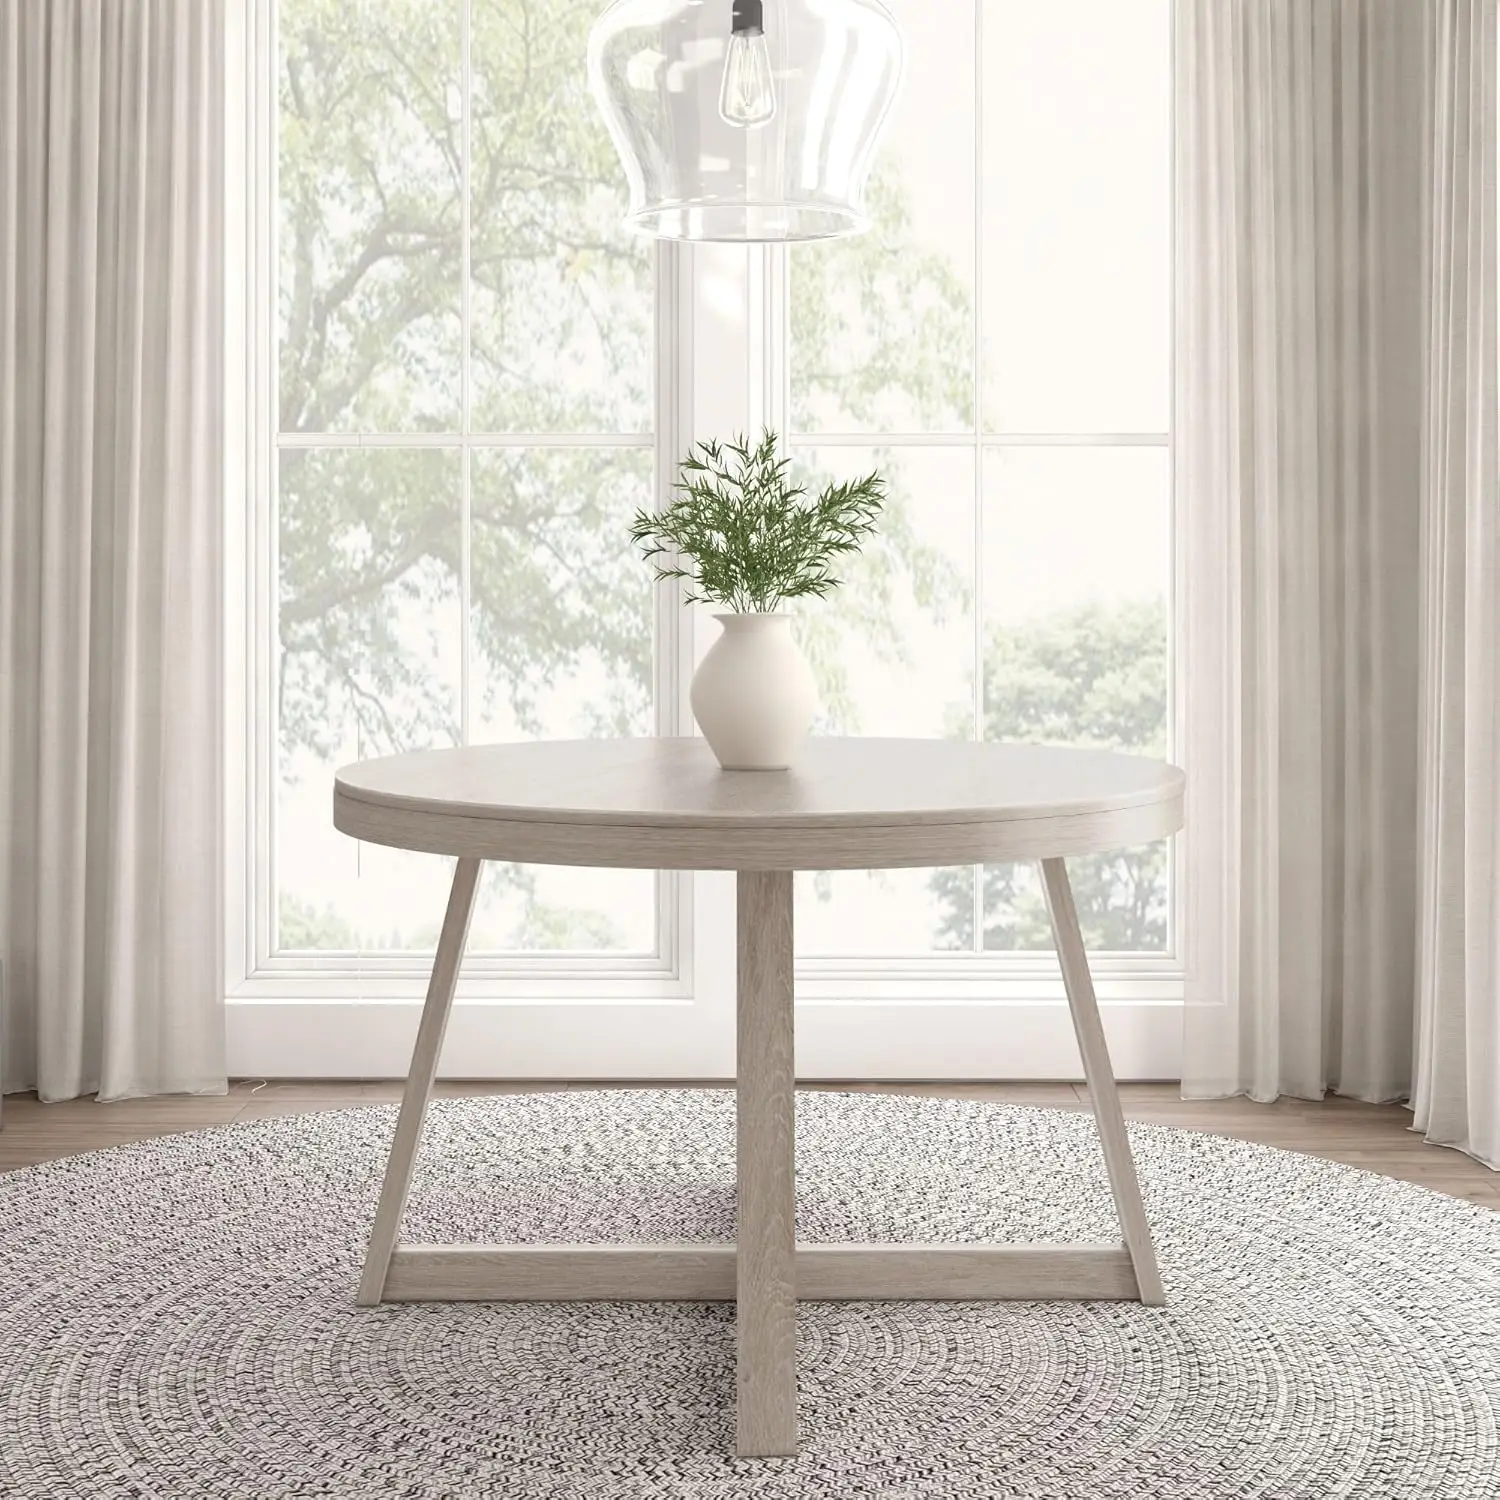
<point x="748" y="97"/>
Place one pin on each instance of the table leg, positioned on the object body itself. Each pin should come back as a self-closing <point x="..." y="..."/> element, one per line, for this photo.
<point x="766" y="1297"/>
<point x="1101" y="1080"/>
<point x="424" y="1061"/>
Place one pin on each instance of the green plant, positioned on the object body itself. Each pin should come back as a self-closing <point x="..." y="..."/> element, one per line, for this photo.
<point x="745" y="536"/>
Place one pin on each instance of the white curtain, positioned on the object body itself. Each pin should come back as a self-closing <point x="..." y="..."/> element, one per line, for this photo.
<point x="1457" y="1093"/>
<point x="1334" y="430"/>
<point x="110" y="497"/>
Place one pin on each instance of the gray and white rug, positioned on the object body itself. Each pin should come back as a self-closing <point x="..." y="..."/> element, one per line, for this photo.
<point x="177" y="1318"/>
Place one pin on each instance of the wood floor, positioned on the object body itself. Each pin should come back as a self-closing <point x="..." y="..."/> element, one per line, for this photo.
<point x="1374" y="1137"/>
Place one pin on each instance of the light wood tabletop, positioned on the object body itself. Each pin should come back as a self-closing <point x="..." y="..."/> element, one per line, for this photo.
<point x="847" y="804"/>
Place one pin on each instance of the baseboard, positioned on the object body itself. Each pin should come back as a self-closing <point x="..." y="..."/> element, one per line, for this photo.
<point x="937" y="1041"/>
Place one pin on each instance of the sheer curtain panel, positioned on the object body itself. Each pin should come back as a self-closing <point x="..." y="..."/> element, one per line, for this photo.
<point x="1335" y="427"/>
<point x="1457" y="1090"/>
<point x="110" y="501"/>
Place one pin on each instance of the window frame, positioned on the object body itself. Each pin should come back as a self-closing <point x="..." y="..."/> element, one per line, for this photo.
<point x="688" y="907"/>
<point x="254" y="968"/>
<point x="1127" y="976"/>
<point x="1152" y="979"/>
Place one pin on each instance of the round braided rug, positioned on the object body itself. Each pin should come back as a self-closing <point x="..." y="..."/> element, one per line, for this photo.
<point x="177" y="1317"/>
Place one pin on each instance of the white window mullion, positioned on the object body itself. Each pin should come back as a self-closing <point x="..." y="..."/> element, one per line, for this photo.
<point x="672" y="377"/>
<point x="457" y="440"/>
<point x="977" y="894"/>
<point x="770" y="354"/>
<point x="720" y="353"/>
<point x="1177" y="589"/>
<point x="466" y="378"/>
<point x="264" y="497"/>
<point x="987" y="440"/>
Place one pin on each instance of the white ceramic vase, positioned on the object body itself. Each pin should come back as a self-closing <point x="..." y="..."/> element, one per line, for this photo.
<point x="753" y="695"/>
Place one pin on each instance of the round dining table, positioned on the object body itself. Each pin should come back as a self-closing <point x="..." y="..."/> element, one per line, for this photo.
<point x="665" y="804"/>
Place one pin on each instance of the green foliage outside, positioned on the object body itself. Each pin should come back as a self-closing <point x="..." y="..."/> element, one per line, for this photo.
<point x="1090" y="676"/>
<point x="304" y="926"/>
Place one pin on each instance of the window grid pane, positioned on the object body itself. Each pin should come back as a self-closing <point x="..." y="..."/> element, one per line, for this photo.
<point x="1005" y="401"/>
<point x="893" y="651"/>
<point x="464" y="418"/>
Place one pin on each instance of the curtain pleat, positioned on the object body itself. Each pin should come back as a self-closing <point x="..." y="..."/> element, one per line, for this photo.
<point x="110" y="500"/>
<point x="1457" y="1090"/>
<point x="1335" y="481"/>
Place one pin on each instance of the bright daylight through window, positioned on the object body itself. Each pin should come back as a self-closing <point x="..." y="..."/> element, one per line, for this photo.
<point x="998" y="346"/>
<point x="466" y="427"/>
<point x="465" y="406"/>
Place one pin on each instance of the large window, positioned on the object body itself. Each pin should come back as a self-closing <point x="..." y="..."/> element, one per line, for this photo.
<point x="476" y="376"/>
<point x="999" y="346"/>
<point x="464" y="424"/>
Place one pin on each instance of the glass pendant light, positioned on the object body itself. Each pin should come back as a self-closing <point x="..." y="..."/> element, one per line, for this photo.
<point x="746" y="119"/>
